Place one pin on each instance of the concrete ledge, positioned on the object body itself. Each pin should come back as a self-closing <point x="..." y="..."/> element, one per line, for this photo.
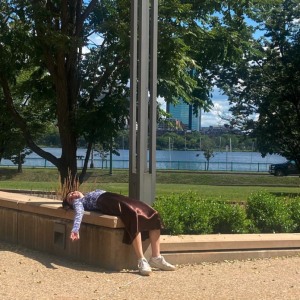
<point x="208" y="248"/>
<point x="53" y="208"/>
<point x="222" y="242"/>
<point x="191" y="258"/>
<point x="42" y="224"/>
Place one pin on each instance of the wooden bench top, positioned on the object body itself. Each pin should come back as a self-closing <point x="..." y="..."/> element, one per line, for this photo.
<point x="53" y="208"/>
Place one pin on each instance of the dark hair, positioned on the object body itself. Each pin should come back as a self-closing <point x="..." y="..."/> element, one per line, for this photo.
<point x="65" y="204"/>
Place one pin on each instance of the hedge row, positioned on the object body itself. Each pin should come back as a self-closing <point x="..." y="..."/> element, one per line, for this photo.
<point x="263" y="213"/>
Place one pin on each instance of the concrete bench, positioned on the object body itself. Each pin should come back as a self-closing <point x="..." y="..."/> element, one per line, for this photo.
<point x="42" y="224"/>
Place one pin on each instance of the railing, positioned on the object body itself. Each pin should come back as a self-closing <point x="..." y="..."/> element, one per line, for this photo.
<point x="160" y="165"/>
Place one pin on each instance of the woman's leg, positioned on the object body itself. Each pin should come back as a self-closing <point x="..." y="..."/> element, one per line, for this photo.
<point x="155" y="242"/>
<point x="137" y="245"/>
<point x="158" y="261"/>
<point x="143" y="265"/>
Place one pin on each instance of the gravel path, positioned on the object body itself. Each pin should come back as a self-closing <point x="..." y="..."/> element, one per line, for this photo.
<point x="29" y="274"/>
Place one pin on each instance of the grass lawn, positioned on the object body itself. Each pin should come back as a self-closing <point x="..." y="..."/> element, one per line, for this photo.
<point x="234" y="193"/>
<point x="122" y="176"/>
<point x="205" y="184"/>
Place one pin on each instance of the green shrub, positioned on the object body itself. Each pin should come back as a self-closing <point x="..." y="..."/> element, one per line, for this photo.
<point x="187" y="214"/>
<point x="230" y="218"/>
<point x="269" y="213"/>
<point x="184" y="214"/>
<point x="295" y="212"/>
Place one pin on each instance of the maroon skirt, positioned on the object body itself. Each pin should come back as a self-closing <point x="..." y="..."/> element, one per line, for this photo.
<point x="136" y="215"/>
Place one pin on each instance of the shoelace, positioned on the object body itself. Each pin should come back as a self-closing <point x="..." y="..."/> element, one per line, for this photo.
<point x="164" y="262"/>
<point x="142" y="263"/>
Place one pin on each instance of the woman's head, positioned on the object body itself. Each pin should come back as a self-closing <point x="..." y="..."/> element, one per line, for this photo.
<point x="70" y="197"/>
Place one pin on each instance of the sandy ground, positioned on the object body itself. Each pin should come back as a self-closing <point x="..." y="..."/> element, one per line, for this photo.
<point x="29" y="274"/>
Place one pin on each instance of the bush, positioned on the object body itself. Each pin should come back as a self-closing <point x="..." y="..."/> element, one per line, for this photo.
<point x="189" y="214"/>
<point x="295" y="212"/>
<point x="230" y="218"/>
<point x="270" y="213"/>
<point x="184" y="214"/>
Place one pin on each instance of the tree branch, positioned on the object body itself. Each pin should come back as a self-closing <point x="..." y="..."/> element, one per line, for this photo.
<point x="102" y="81"/>
<point x="83" y="17"/>
<point x="22" y="124"/>
<point x="86" y="160"/>
<point x="64" y="16"/>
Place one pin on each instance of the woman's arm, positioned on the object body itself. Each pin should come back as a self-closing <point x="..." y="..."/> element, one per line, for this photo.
<point x="79" y="211"/>
<point x="74" y="236"/>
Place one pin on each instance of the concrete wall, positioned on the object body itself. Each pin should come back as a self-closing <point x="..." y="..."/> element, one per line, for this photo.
<point x="43" y="225"/>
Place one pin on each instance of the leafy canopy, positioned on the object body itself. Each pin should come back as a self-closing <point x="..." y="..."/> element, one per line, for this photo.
<point x="265" y="84"/>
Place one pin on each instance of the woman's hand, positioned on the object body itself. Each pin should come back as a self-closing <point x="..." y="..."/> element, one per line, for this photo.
<point x="74" y="236"/>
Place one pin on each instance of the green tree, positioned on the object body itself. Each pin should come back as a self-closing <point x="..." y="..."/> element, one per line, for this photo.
<point x="85" y="94"/>
<point x="19" y="158"/>
<point x="264" y="87"/>
<point x="12" y="141"/>
<point x="50" y="138"/>
<point x="122" y="140"/>
<point x="208" y="151"/>
<point x="102" y="153"/>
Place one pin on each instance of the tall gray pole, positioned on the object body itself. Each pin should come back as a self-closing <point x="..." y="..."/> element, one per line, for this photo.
<point x="141" y="178"/>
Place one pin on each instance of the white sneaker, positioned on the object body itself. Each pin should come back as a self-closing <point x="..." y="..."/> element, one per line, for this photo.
<point x="144" y="267"/>
<point x="160" y="263"/>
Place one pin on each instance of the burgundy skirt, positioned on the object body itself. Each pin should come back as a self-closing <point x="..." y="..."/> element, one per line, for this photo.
<point x="136" y="215"/>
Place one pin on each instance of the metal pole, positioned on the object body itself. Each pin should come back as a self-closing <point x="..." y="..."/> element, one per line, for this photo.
<point x="142" y="180"/>
<point x="133" y="96"/>
<point x="153" y="95"/>
<point x="143" y="75"/>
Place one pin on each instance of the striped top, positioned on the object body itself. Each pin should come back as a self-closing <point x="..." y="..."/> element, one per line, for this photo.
<point x="88" y="202"/>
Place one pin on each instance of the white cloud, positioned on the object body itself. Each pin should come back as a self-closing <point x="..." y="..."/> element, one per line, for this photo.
<point x="221" y="107"/>
<point x="85" y="50"/>
<point x="96" y="39"/>
<point x="162" y="102"/>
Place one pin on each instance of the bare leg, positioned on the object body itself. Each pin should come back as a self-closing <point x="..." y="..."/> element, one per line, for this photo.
<point x="137" y="245"/>
<point x="155" y="242"/>
<point x="155" y="261"/>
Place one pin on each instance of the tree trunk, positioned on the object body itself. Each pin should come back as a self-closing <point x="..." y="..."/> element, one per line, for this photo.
<point x="86" y="160"/>
<point x="68" y="176"/>
<point x="62" y="63"/>
<point x="19" y="163"/>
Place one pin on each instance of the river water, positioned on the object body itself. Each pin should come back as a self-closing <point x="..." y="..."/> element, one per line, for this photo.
<point x="174" y="160"/>
<point x="169" y="156"/>
<point x="170" y="160"/>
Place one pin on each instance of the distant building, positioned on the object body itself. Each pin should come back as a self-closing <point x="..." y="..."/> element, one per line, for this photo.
<point x="213" y="131"/>
<point x="184" y="114"/>
<point x="170" y="125"/>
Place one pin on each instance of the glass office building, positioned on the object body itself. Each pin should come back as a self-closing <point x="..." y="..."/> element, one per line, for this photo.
<point x="184" y="113"/>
